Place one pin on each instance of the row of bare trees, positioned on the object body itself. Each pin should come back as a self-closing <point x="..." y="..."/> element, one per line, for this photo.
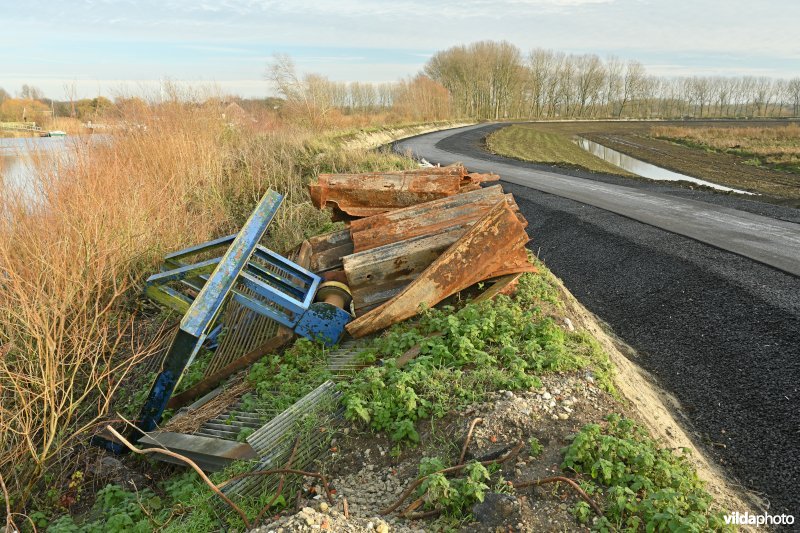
<point x="495" y="80"/>
<point x="316" y="97"/>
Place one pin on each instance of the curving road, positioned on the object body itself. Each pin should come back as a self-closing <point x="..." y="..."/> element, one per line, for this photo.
<point x="703" y="285"/>
<point x="767" y="240"/>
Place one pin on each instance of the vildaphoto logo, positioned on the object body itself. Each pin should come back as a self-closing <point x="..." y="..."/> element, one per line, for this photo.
<point x="747" y="519"/>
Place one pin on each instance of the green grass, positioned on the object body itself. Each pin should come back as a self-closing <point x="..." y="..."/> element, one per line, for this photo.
<point x="525" y="143"/>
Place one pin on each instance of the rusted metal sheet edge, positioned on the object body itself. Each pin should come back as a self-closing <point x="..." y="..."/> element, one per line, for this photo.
<point x="487" y="193"/>
<point x="505" y="285"/>
<point x="359" y="196"/>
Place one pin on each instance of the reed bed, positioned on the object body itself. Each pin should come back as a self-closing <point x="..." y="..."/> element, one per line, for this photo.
<point x="776" y="145"/>
<point x="72" y="261"/>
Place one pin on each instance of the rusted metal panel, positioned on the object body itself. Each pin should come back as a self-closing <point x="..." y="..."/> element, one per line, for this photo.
<point x="493" y="247"/>
<point x="474" y="178"/>
<point x="327" y="250"/>
<point x="378" y="274"/>
<point x="426" y="220"/>
<point x="492" y="194"/>
<point x="361" y="195"/>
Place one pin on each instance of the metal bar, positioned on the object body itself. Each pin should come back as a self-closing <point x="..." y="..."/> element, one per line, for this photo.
<point x="287" y="264"/>
<point x="203" y="267"/>
<point x="272" y="294"/>
<point x="264" y="310"/>
<point x="203" y="247"/>
<point x="205" y="307"/>
<point x="271" y="277"/>
<point x="169" y="297"/>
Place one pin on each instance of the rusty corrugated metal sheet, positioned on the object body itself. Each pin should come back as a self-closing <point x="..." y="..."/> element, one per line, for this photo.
<point x="493" y="247"/>
<point x="361" y="195"/>
<point x="461" y="210"/>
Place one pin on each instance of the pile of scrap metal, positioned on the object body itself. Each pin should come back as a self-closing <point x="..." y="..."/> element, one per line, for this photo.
<point x="412" y="239"/>
<point x="361" y="195"/>
<point x="415" y="238"/>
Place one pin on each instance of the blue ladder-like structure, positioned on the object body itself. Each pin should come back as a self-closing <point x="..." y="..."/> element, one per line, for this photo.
<point x="252" y="275"/>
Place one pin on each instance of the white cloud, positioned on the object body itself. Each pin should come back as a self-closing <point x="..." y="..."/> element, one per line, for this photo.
<point x="381" y="40"/>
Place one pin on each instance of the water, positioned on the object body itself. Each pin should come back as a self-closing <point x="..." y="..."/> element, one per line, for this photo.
<point x="646" y="170"/>
<point x="16" y="170"/>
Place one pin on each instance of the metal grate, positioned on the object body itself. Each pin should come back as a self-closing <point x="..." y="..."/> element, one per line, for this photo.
<point x="308" y="422"/>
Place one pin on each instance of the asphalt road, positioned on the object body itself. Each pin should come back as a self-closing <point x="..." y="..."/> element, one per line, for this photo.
<point x="770" y="241"/>
<point x="699" y="283"/>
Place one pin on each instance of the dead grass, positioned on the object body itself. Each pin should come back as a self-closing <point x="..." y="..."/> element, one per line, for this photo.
<point x="777" y="145"/>
<point x="73" y="261"/>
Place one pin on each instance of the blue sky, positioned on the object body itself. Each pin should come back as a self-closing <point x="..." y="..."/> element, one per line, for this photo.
<point x="123" y="46"/>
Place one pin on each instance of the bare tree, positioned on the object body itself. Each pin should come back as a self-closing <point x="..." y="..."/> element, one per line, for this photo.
<point x="631" y="83"/>
<point x="793" y="90"/>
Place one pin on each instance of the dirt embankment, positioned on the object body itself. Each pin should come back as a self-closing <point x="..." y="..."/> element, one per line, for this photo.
<point x="368" y="140"/>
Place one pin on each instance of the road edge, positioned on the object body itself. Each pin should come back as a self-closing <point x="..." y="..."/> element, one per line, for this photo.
<point x="656" y="408"/>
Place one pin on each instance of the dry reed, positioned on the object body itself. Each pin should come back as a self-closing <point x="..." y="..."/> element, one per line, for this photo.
<point x="72" y="261"/>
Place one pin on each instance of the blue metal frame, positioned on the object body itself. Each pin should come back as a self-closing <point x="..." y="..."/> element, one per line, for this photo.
<point x="204" y="309"/>
<point x="273" y="286"/>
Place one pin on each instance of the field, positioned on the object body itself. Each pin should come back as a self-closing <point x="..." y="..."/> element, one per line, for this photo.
<point x="760" y="160"/>
<point x="774" y="147"/>
<point x="529" y="144"/>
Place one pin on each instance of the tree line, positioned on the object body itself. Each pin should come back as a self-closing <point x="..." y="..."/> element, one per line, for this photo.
<point x="496" y="80"/>
<point x="486" y="80"/>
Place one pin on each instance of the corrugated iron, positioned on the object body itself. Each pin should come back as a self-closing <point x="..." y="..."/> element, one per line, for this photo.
<point x="493" y="247"/>
<point x="426" y="218"/>
<point x="361" y="195"/>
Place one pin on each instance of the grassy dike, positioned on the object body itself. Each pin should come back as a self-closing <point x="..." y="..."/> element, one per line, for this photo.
<point x="149" y="192"/>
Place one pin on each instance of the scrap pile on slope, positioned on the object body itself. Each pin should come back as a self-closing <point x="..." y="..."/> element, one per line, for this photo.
<point x="414" y="238"/>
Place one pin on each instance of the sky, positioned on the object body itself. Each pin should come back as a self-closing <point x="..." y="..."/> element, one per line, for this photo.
<point x="124" y="47"/>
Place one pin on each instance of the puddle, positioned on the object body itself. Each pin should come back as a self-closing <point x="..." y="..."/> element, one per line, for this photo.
<point x="645" y="170"/>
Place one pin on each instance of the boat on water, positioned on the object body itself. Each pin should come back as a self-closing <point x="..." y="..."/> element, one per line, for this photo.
<point x="57" y="133"/>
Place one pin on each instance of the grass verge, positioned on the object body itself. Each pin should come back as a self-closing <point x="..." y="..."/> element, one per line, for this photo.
<point x="528" y="144"/>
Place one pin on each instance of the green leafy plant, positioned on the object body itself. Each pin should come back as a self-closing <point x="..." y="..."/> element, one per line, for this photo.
<point x="535" y="447"/>
<point x="453" y="497"/>
<point x="465" y="353"/>
<point x="644" y="486"/>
